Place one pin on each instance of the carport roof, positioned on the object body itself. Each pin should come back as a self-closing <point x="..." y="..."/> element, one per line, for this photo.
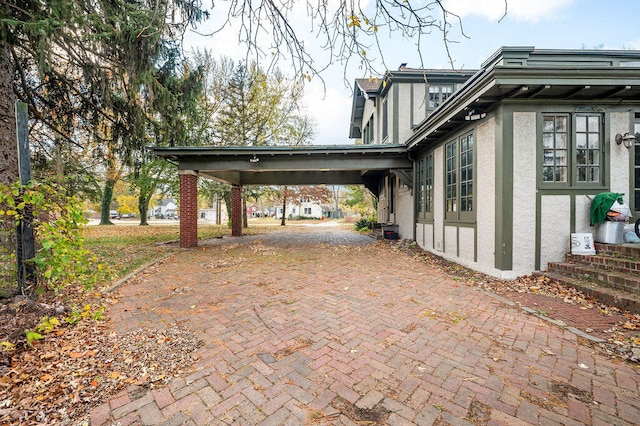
<point x="285" y="165"/>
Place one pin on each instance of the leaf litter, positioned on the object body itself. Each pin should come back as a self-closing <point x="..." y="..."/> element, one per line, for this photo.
<point x="60" y="378"/>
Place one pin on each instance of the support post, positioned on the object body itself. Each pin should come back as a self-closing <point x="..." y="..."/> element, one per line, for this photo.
<point x="236" y="211"/>
<point x="188" y="209"/>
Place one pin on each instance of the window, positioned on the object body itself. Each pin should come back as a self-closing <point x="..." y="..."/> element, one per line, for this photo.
<point x="459" y="178"/>
<point x="424" y="194"/>
<point x="466" y="173"/>
<point x="385" y="115"/>
<point x="428" y="186"/>
<point x="438" y="93"/>
<point x="307" y="210"/>
<point x="367" y="134"/>
<point x="452" y="177"/>
<point x="421" y="187"/>
<point x="572" y="157"/>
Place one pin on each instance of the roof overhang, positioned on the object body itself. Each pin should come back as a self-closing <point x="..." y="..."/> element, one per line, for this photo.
<point x="309" y="165"/>
<point x="595" y="82"/>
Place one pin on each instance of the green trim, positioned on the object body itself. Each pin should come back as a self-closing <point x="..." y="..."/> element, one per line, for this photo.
<point x="538" y="249"/>
<point x="475" y="244"/>
<point x="504" y="189"/>
<point x="396" y="118"/>
<point x="572" y="213"/>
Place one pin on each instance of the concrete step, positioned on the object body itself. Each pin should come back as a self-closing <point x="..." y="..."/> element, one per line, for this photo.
<point x="610" y="296"/>
<point x="597" y="275"/>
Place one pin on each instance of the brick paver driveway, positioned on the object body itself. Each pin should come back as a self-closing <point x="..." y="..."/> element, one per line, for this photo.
<point x="329" y="327"/>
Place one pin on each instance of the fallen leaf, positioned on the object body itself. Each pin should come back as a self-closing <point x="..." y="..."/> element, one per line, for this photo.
<point x="75" y="355"/>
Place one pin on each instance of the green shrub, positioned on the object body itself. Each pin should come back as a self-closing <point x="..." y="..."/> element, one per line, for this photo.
<point x="60" y="258"/>
<point x="364" y="225"/>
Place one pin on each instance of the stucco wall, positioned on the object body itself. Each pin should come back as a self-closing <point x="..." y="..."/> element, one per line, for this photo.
<point x="451" y="241"/>
<point x="420" y="234"/>
<point x="619" y="155"/>
<point x="404" y="213"/>
<point x="404" y="113"/>
<point x="438" y="198"/>
<point x="555" y="228"/>
<point x="466" y="241"/>
<point x="419" y="102"/>
<point x="486" y="192"/>
<point x="524" y="196"/>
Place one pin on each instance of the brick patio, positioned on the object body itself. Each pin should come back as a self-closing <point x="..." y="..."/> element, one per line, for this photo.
<point x="327" y="326"/>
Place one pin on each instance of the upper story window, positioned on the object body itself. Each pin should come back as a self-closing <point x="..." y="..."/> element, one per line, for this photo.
<point x="572" y="157"/>
<point x="438" y="93"/>
<point x="385" y="117"/>
<point x="367" y="135"/>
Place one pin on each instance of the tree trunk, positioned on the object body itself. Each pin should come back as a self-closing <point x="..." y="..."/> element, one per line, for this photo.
<point x="284" y="210"/>
<point x="227" y="202"/>
<point x="244" y="212"/>
<point x="143" y="207"/>
<point x="107" y="196"/>
<point x="8" y="136"/>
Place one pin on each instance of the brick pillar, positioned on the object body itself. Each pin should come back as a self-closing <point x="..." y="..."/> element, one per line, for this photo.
<point x="236" y="211"/>
<point x="188" y="209"/>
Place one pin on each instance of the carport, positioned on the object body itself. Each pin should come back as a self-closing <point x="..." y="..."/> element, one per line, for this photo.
<point x="277" y="165"/>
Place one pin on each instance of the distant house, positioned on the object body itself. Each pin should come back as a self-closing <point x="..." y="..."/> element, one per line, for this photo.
<point x="167" y="208"/>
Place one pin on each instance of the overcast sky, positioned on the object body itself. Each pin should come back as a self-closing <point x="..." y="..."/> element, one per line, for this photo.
<point x="544" y="24"/>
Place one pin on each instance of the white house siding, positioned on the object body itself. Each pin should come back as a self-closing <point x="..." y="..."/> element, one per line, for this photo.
<point x="524" y="196"/>
<point x="555" y="228"/>
<point x="583" y="219"/>
<point x="451" y="241"/>
<point x="420" y="234"/>
<point x="438" y="198"/>
<point x="403" y="119"/>
<point x="466" y="242"/>
<point x="404" y="213"/>
<point x="486" y="189"/>
<point x="619" y="165"/>
<point x="419" y="103"/>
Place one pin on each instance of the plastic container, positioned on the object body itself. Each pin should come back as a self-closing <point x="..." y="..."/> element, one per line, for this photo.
<point x="610" y="232"/>
<point x="582" y="244"/>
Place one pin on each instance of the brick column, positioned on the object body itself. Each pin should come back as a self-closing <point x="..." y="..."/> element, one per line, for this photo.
<point x="236" y="211"/>
<point x="188" y="209"/>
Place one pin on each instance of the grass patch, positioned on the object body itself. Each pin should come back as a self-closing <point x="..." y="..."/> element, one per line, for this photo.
<point x="123" y="248"/>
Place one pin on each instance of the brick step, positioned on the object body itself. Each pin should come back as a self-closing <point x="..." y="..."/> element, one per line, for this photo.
<point x="628" y="251"/>
<point x="620" y="264"/>
<point x="613" y="279"/>
<point x="610" y="296"/>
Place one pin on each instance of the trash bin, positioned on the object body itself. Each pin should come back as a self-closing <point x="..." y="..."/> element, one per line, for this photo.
<point x="390" y="231"/>
<point x="610" y="232"/>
